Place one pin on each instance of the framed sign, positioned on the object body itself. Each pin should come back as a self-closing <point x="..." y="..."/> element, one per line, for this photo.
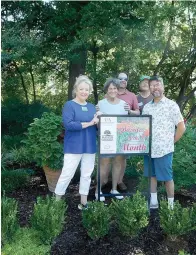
<point x="120" y="134"/>
<point x="124" y="135"/>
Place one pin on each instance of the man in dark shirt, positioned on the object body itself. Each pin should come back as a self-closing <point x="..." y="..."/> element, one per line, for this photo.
<point x="144" y="95"/>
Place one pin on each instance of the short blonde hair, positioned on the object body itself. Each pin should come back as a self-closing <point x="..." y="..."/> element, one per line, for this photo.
<point x="79" y="80"/>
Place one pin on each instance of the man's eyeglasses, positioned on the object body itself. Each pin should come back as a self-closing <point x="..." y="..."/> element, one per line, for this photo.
<point x="123" y="79"/>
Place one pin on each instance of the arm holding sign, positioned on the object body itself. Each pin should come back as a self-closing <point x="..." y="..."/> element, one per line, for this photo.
<point x="72" y="125"/>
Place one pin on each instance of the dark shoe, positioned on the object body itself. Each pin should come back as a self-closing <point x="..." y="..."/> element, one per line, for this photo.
<point x="122" y="186"/>
<point x="82" y="207"/>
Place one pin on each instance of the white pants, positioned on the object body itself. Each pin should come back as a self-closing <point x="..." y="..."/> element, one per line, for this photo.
<point x="71" y="162"/>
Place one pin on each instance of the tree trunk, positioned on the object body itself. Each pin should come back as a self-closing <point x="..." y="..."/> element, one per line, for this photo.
<point x="76" y="67"/>
<point x="33" y="83"/>
<point x="22" y="82"/>
<point x="95" y="51"/>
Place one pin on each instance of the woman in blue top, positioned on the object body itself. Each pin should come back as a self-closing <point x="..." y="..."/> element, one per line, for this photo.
<point x="79" y="119"/>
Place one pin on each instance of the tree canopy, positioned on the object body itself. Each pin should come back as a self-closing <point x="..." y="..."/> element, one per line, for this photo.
<point x="46" y="45"/>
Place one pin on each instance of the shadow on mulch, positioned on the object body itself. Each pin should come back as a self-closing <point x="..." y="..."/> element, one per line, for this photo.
<point x="74" y="240"/>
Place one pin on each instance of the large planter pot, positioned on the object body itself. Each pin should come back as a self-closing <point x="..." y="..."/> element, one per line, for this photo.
<point x="51" y="177"/>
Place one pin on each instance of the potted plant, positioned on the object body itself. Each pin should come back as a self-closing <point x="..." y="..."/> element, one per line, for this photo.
<point x="44" y="143"/>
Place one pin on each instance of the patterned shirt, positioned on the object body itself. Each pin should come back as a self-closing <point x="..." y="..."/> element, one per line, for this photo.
<point x="165" y="117"/>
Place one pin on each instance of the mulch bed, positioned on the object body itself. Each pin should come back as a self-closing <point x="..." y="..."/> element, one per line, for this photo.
<point x="74" y="240"/>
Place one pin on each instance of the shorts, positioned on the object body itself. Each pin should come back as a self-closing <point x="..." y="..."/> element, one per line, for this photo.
<point x="161" y="167"/>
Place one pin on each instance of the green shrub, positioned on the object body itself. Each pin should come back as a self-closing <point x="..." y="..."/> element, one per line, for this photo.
<point x="9" y="221"/>
<point x="143" y="184"/>
<point x="130" y="214"/>
<point x="15" y="156"/>
<point x="42" y="141"/>
<point x="96" y="220"/>
<point x="182" y="252"/>
<point x="14" y="179"/>
<point x="178" y="221"/>
<point x="134" y="166"/>
<point x="48" y="218"/>
<point x="12" y="141"/>
<point x="21" y="156"/>
<point x="7" y="158"/>
<point x="26" y="243"/>
<point x="16" y="116"/>
<point x="184" y="159"/>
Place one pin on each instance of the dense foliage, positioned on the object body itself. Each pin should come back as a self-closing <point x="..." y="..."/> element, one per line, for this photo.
<point x="16" y="115"/>
<point x="48" y="218"/>
<point x="9" y="220"/>
<point x="26" y="242"/>
<point x="14" y="179"/>
<point x="184" y="160"/>
<point x="178" y="221"/>
<point x="42" y="54"/>
<point x="130" y="214"/>
<point x="96" y="220"/>
<point x="42" y="141"/>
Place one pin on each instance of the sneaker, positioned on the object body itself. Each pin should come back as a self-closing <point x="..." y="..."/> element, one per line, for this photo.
<point x="116" y="192"/>
<point x="82" y="207"/>
<point x="154" y="206"/>
<point x="102" y="199"/>
<point x="122" y="186"/>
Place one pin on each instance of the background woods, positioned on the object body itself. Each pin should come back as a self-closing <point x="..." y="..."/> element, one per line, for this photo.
<point x="45" y="45"/>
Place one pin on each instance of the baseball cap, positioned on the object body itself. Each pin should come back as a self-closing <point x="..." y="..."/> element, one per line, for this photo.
<point x="143" y="77"/>
<point x="156" y="78"/>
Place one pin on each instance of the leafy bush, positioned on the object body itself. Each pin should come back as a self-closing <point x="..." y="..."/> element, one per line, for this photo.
<point x="182" y="252"/>
<point x="13" y="179"/>
<point x="184" y="160"/>
<point x="134" y="166"/>
<point x="96" y="220"/>
<point x="178" y="221"/>
<point x="21" y="156"/>
<point x="48" y="218"/>
<point x="9" y="221"/>
<point x="26" y="243"/>
<point x="16" y="116"/>
<point x="12" y="141"/>
<point x="42" y="141"/>
<point x="6" y="157"/>
<point x="15" y="156"/>
<point x="131" y="214"/>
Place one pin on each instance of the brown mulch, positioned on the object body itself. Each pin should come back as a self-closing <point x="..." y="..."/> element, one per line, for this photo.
<point x="74" y="240"/>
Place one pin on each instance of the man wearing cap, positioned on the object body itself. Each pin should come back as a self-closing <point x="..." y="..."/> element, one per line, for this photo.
<point x="132" y="108"/>
<point x="166" y="116"/>
<point x="144" y="95"/>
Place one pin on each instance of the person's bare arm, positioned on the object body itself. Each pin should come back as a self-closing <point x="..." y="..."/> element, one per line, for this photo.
<point x="127" y="108"/>
<point x="179" y="131"/>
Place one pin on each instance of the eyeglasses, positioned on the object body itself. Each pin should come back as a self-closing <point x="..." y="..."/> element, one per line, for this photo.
<point x="123" y="79"/>
<point x="121" y="88"/>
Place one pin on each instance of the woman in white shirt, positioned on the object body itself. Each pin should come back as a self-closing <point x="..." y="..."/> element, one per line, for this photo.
<point x="111" y="105"/>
